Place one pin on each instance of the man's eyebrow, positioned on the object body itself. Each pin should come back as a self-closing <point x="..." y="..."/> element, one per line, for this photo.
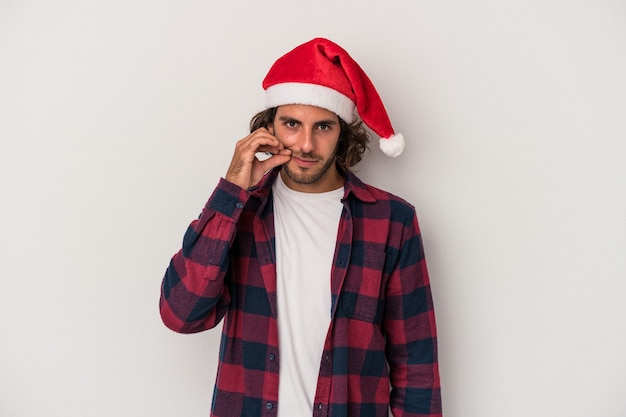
<point x="326" y="122"/>
<point x="288" y="119"/>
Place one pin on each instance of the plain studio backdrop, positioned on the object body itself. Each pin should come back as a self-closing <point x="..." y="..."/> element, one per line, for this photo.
<point x="117" y="119"/>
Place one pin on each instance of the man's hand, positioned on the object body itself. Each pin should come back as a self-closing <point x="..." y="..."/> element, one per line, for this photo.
<point x="245" y="168"/>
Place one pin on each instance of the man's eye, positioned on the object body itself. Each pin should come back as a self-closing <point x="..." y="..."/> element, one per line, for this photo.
<point x="324" y="127"/>
<point x="291" y="123"/>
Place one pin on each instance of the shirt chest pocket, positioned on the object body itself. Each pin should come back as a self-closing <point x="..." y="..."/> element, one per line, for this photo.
<point x="362" y="294"/>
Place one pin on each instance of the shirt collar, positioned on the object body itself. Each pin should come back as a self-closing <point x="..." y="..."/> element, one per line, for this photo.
<point x="353" y="186"/>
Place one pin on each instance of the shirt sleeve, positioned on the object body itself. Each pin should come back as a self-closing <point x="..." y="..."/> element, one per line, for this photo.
<point x="194" y="296"/>
<point x="410" y="331"/>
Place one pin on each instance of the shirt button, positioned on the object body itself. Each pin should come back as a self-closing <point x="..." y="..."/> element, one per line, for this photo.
<point x="272" y="357"/>
<point x="269" y="406"/>
<point x="320" y="406"/>
<point x="239" y="205"/>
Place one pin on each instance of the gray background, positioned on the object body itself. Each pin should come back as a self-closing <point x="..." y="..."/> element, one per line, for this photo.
<point x="117" y="119"/>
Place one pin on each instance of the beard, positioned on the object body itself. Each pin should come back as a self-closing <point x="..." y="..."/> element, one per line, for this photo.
<point x="309" y="175"/>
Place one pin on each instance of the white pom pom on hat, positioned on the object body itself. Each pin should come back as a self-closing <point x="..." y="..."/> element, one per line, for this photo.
<point x="321" y="73"/>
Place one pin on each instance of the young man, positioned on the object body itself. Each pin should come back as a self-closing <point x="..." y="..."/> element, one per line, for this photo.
<point x="320" y="279"/>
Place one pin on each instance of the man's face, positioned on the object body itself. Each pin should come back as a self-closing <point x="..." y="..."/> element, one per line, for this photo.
<point x="312" y="134"/>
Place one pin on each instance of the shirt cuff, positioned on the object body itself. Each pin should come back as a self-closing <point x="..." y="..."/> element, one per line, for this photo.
<point x="227" y="198"/>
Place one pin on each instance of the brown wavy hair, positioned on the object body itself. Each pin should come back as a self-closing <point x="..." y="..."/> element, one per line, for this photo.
<point x="353" y="138"/>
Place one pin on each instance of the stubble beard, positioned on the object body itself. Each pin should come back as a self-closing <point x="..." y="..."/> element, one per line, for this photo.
<point x="306" y="176"/>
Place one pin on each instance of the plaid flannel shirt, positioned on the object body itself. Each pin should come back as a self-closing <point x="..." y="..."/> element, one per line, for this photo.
<point x="382" y="332"/>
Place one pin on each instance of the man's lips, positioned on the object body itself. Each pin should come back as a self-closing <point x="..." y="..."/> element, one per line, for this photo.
<point x="304" y="162"/>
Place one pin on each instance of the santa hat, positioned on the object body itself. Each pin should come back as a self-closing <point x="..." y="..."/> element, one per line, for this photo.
<point x="321" y="73"/>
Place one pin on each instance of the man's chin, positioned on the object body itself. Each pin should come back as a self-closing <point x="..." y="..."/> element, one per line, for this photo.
<point x="301" y="176"/>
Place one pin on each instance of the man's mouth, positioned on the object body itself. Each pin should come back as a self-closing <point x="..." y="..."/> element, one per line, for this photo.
<point x="304" y="162"/>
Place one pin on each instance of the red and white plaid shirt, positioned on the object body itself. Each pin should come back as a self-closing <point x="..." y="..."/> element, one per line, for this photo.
<point x="382" y="329"/>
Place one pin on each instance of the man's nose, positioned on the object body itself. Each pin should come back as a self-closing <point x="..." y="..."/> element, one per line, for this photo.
<point x="306" y="140"/>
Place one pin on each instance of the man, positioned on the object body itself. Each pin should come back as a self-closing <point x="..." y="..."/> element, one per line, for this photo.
<point x="320" y="279"/>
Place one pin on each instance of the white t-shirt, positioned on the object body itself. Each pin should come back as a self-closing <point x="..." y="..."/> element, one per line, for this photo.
<point x="306" y="227"/>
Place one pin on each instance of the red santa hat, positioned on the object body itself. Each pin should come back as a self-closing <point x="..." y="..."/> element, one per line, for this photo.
<point x="321" y="73"/>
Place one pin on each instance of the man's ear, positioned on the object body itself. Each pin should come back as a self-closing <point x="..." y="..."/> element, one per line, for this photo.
<point x="270" y="127"/>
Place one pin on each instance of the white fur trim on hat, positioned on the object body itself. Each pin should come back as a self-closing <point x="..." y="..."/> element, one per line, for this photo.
<point x="392" y="146"/>
<point x="312" y="95"/>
